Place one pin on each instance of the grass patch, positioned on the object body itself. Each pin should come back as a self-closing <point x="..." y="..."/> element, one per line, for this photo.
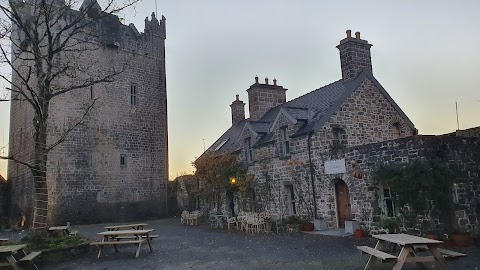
<point x="41" y="241"/>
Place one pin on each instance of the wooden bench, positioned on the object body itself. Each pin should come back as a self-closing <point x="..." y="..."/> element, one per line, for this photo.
<point x="384" y="257"/>
<point x="450" y="255"/>
<point x="447" y="254"/>
<point x="115" y="243"/>
<point x="153" y="236"/>
<point x="30" y="257"/>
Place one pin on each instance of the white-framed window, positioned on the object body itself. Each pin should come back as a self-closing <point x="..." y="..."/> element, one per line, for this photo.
<point x="388" y="205"/>
<point x="123" y="160"/>
<point x="248" y="150"/>
<point x="396" y="130"/>
<point x="285" y="141"/>
<point x="290" y="192"/>
<point x="133" y="94"/>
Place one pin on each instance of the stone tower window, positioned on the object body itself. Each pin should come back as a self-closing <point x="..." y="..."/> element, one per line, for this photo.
<point x="133" y="95"/>
<point x="285" y="142"/>
<point x="248" y="150"/>
<point x="396" y="130"/>
<point x="123" y="161"/>
<point x="91" y="91"/>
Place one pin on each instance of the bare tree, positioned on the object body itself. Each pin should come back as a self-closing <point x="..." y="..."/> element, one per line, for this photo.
<point x="46" y="43"/>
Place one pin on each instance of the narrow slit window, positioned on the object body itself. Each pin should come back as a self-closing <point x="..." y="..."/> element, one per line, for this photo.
<point x="133" y="95"/>
<point x="123" y="161"/>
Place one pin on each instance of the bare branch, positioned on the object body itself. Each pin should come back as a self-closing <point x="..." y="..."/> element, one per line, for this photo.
<point x="12" y="158"/>
<point x="70" y="129"/>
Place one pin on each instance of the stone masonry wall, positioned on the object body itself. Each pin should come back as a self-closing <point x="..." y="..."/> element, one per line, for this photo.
<point x="366" y="117"/>
<point x="87" y="183"/>
<point x="263" y="97"/>
<point x="458" y="152"/>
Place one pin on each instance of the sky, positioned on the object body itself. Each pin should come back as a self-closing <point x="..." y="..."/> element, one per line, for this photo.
<point x="424" y="53"/>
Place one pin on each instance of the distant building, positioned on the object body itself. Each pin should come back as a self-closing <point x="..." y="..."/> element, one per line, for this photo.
<point x="114" y="166"/>
<point x="3" y="196"/>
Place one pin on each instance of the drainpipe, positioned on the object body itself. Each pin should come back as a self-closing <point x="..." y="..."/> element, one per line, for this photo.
<point x="312" y="172"/>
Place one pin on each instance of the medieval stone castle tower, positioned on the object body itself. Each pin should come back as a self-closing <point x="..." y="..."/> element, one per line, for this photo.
<point x="114" y="165"/>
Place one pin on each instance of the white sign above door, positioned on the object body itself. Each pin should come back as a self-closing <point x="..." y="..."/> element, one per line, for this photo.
<point x="335" y="166"/>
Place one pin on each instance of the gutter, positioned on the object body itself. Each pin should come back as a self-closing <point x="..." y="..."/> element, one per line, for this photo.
<point x="312" y="172"/>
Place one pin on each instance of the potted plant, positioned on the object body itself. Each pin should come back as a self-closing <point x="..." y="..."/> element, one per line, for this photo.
<point x="307" y="226"/>
<point x="389" y="223"/>
<point x="461" y="238"/>
<point x="293" y="224"/>
<point x="360" y="233"/>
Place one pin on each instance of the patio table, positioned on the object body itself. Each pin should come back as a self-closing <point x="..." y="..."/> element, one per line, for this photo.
<point x="135" y="226"/>
<point x="407" y="253"/>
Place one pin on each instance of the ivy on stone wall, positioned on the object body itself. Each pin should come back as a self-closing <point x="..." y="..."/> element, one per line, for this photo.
<point x="423" y="186"/>
<point x="215" y="172"/>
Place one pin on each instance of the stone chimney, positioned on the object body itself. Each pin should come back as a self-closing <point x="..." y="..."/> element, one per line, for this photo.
<point x="263" y="97"/>
<point x="238" y="111"/>
<point x="354" y="56"/>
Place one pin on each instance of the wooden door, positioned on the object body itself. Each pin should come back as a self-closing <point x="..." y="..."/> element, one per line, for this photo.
<point x="343" y="203"/>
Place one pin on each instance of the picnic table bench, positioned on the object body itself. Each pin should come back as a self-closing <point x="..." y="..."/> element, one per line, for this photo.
<point x="8" y="253"/>
<point x="410" y="244"/>
<point x="113" y="238"/>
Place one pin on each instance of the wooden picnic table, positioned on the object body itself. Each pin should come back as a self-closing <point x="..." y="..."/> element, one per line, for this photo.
<point x="110" y="238"/>
<point x="64" y="230"/>
<point x="7" y="257"/>
<point x="135" y="226"/>
<point x="408" y="252"/>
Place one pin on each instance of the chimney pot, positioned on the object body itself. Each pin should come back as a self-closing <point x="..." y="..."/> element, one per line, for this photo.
<point x="357" y="35"/>
<point x="275" y="81"/>
<point x="256" y="79"/>
<point x="266" y="80"/>
<point x="349" y="33"/>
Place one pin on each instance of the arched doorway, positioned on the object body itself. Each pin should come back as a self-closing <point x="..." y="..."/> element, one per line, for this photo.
<point x="343" y="202"/>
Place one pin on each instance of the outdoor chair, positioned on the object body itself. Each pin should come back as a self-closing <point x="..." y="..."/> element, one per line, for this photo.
<point x="184" y="217"/>
<point x="231" y="221"/>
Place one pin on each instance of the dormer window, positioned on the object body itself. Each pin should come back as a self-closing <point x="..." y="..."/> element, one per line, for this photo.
<point x="248" y="150"/>
<point x="285" y="141"/>
<point x="396" y="131"/>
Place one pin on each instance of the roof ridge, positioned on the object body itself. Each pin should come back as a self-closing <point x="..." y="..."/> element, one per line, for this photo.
<point x="311" y="92"/>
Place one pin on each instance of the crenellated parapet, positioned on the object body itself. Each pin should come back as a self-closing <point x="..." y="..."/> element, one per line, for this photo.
<point x="150" y="42"/>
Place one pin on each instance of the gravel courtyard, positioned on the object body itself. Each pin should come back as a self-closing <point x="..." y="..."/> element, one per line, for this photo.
<point x="199" y="247"/>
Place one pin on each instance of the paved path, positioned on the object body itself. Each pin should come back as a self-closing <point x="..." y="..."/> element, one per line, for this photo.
<point x="198" y="247"/>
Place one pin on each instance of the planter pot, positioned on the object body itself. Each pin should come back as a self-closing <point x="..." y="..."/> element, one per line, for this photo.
<point x="351" y="226"/>
<point x="431" y="236"/>
<point x="359" y="233"/>
<point x="448" y="243"/>
<point x="307" y="227"/>
<point x="461" y="240"/>
<point x="320" y="224"/>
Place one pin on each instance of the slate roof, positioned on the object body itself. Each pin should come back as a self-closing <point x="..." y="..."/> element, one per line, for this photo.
<point x="315" y="108"/>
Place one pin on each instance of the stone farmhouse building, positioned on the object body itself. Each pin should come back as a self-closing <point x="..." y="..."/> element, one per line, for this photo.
<point x="114" y="165"/>
<point x="312" y="156"/>
<point x="291" y="141"/>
